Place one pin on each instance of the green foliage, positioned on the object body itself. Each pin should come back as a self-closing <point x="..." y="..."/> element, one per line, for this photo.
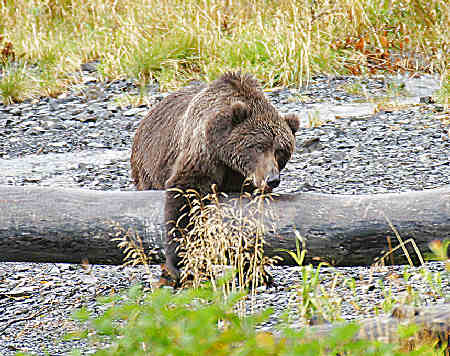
<point x="153" y="57"/>
<point x="443" y="94"/>
<point x="203" y="322"/>
<point x="314" y="299"/>
<point x="439" y="249"/>
<point x="181" y="324"/>
<point x="14" y="83"/>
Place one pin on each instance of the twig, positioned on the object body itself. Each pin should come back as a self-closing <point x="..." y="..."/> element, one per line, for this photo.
<point x="11" y="322"/>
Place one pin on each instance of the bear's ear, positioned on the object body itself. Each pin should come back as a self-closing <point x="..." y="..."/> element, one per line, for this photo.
<point x="293" y="120"/>
<point x="239" y="112"/>
<point x="221" y="122"/>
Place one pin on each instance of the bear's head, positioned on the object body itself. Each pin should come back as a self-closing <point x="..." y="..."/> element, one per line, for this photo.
<point x="253" y="140"/>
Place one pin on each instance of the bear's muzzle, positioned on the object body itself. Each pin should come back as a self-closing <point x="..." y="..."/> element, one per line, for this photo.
<point x="273" y="179"/>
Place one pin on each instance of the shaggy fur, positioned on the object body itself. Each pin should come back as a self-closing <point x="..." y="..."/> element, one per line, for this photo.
<point x="222" y="133"/>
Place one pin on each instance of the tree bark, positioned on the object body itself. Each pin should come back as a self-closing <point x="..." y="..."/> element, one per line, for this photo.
<point x="432" y="322"/>
<point x="68" y="225"/>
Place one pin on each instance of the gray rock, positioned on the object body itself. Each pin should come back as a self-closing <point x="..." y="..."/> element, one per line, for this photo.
<point x="15" y="111"/>
<point x="86" y="118"/>
<point x="133" y="111"/>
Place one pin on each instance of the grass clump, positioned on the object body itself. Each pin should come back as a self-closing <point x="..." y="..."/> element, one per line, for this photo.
<point x="226" y="234"/>
<point x="14" y="84"/>
<point x="443" y="94"/>
<point x="282" y="42"/>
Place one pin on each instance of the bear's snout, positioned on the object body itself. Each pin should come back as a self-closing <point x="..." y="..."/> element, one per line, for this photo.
<point x="273" y="179"/>
<point x="266" y="175"/>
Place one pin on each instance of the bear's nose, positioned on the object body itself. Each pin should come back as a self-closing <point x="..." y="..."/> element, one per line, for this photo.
<point x="273" y="180"/>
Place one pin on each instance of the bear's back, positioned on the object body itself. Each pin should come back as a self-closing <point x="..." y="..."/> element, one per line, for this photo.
<point x="156" y="142"/>
<point x="174" y="132"/>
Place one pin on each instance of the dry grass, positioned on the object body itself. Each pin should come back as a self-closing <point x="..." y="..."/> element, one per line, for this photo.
<point x="226" y="234"/>
<point x="219" y="236"/>
<point x="282" y="42"/>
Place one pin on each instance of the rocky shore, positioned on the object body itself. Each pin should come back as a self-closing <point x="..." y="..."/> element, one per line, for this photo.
<point x="351" y="142"/>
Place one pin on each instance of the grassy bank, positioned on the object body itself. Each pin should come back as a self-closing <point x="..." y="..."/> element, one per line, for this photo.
<point x="282" y="42"/>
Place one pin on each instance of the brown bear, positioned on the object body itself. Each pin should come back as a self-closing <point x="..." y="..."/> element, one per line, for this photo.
<point x="223" y="133"/>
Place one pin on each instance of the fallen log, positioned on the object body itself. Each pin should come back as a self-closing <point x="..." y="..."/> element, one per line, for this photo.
<point x="40" y="224"/>
<point x="432" y="323"/>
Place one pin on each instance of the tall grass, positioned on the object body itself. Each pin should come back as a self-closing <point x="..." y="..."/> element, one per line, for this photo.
<point x="282" y="42"/>
<point x="221" y="234"/>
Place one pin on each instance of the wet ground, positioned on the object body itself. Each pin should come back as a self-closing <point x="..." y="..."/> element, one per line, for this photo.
<point x="358" y="136"/>
<point x="349" y="143"/>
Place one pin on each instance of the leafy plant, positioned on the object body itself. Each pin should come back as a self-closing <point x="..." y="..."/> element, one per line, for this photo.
<point x="203" y="322"/>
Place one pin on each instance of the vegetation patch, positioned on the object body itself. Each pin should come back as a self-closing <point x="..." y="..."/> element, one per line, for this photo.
<point x="210" y="315"/>
<point x="202" y="322"/>
<point x="282" y="42"/>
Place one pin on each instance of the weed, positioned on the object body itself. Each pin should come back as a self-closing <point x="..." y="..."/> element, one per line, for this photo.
<point x="313" y="300"/>
<point x="443" y="94"/>
<point x="131" y="244"/>
<point x="394" y="90"/>
<point x="133" y="100"/>
<point x="354" y="89"/>
<point x="14" y="83"/>
<point x="314" y="119"/>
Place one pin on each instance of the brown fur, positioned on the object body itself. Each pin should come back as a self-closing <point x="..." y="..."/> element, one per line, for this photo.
<point x="222" y="133"/>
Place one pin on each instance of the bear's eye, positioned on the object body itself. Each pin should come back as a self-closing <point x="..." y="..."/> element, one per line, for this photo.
<point x="260" y="148"/>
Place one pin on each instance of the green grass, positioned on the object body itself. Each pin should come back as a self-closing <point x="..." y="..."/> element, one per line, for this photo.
<point x="282" y="42"/>
<point x="443" y="94"/>
<point x="202" y="322"/>
<point x="14" y="84"/>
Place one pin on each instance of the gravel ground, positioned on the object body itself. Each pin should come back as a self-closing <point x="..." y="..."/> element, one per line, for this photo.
<point x="83" y="139"/>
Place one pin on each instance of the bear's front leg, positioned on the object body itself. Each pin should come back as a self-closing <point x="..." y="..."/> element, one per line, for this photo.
<point x="176" y="215"/>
